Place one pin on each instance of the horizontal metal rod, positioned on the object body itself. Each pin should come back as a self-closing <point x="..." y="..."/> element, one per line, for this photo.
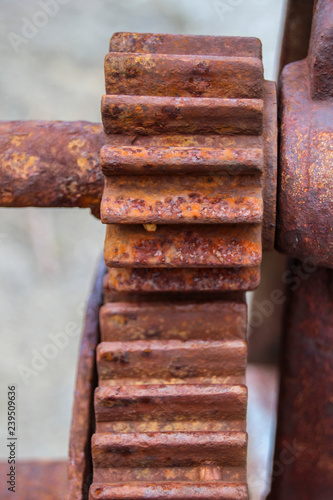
<point x="51" y="164"/>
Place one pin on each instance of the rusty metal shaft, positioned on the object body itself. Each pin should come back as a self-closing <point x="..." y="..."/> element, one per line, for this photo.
<point x="50" y="164"/>
<point x="305" y="202"/>
<point x="303" y="466"/>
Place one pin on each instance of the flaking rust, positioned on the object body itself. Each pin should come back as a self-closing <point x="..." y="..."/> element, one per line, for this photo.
<point x="178" y="246"/>
<point x="190" y="170"/>
<point x="305" y="431"/>
<point x="50" y="164"/>
<point x="178" y="160"/>
<point x="305" y="203"/>
<point x="305" y="210"/>
<point x="181" y="280"/>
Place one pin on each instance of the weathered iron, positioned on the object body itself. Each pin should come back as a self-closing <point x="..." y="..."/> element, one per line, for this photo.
<point x="303" y="466"/>
<point x="150" y="115"/>
<point x="181" y="280"/>
<point x="169" y="319"/>
<point x="79" y="469"/>
<point x="179" y="75"/>
<point x="171" y="361"/>
<point x="297" y="30"/>
<point x="186" y="452"/>
<point x="190" y="166"/>
<point x="183" y="199"/>
<point x="158" y="126"/>
<point x="305" y="204"/>
<point x="157" y="43"/>
<point x="181" y="490"/>
<point x="303" y="453"/>
<point x="192" y="245"/>
<point x="136" y="160"/>
<point x="170" y="408"/>
<point x="50" y="164"/>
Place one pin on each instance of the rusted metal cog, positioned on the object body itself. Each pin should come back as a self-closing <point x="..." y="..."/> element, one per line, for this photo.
<point x="189" y="203"/>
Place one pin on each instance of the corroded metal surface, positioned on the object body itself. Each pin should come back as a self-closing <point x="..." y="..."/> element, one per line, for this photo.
<point x="303" y="453"/>
<point x="50" y="164"/>
<point x="190" y="163"/>
<point x="156" y="43"/>
<point x="35" y="480"/>
<point x="174" y="156"/>
<point x="171" y="318"/>
<point x="269" y="137"/>
<point x="185" y="160"/>
<point x="110" y="295"/>
<point x="181" y="490"/>
<point x="79" y="463"/>
<point x="171" y="408"/>
<point x="297" y="30"/>
<point x="147" y="115"/>
<point x="172" y="361"/>
<point x="183" y="246"/>
<point x="179" y="75"/>
<point x="188" y="199"/>
<point x="190" y="166"/>
<point x="164" y="450"/>
<point x="305" y="204"/>
<point x="181" y="280"/>
<point x="177" y="491"/>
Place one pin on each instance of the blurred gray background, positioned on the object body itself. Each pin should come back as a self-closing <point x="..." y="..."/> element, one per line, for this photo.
<point x="47" y="256"/>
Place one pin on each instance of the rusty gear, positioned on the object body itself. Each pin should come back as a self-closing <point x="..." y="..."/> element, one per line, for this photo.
<point x="189" y="164"/>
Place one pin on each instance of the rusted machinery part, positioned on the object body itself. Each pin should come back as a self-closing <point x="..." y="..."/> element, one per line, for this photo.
<point x="181" y="280"/>
<point x="158" y="43"/>
<point x="181" y="136"/>
<point x="171" y="390"/>
<point x="50" y="164"/>
<point x="305" y="202"/>
<point x="189" y="199"/>
<point x="297" y="30"/>
<point x="302" y="468"/>
<point x="184" y="246"/>
<point x="208" y="118"/>
<point x="217" y="179"/>
<point x="79" y="470"/>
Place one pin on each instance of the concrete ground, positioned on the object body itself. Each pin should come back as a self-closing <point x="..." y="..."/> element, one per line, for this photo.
<point x="47" y="256"/>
